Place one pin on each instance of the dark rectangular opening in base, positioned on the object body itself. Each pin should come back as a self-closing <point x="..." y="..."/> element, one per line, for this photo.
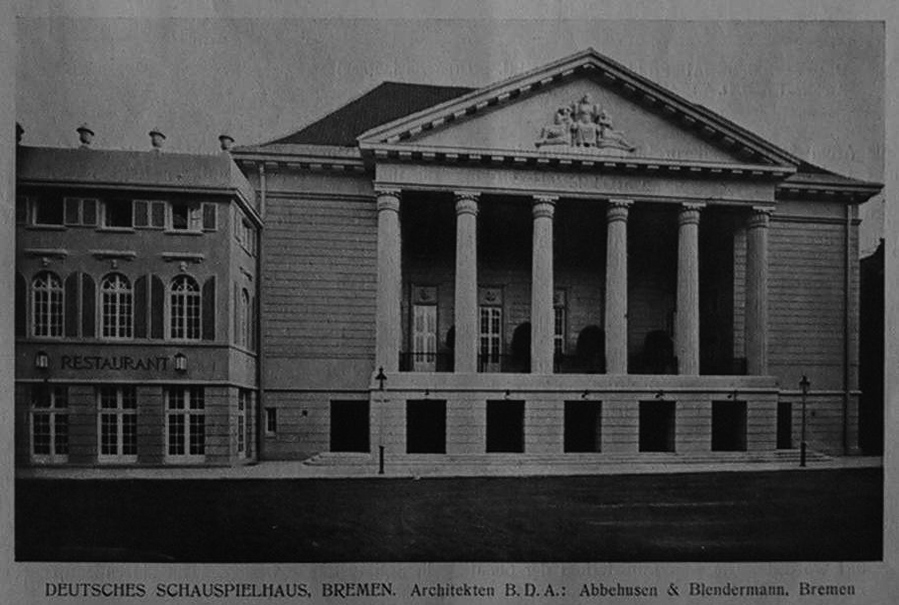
<point x="784" y="425"/>
<point x="583" y="426"/>
<point x="728" y="426"/>
<point x="349" y="426"/>
<point x="426" y="426"/>
<point x="657" y="426"/>
<point x="505" y="426"/>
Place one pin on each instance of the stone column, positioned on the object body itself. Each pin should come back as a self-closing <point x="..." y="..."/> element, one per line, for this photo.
<point x="387" y="326"/>
<point x="687" y="328"/>
<point x="756" y="326"/>
<point x="466" y="301"/>
<point x="616" y="286"/>
<point x="542" y="318"/>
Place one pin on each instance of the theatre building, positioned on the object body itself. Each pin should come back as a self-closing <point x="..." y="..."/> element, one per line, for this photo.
<point x="572" y="261"/>
<point x="136" y="286"/>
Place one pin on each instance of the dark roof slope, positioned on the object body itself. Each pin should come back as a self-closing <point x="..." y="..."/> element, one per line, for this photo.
<point x="386" y="102"/>
<point x="144" y="169"/>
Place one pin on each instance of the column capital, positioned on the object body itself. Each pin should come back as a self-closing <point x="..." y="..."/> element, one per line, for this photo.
<point x="544" y="206"/>
<point x="689" y="213"/>
<point x="467" y="202"/>
<point x="759" y="217"/>
<point x="617" y="209"/>
<point x="388" y="198"/>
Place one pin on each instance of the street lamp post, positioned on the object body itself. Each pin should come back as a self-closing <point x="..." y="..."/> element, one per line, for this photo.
<point x="803" y="384"/>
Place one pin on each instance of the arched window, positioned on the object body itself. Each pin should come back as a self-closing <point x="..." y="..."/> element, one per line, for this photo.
<point x="184" y="308"/>
<point x="116" y="306"/>
<point x="46" y="300"/>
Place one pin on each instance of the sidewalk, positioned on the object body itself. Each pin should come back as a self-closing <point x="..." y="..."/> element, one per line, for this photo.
<point x="364" y="466"/>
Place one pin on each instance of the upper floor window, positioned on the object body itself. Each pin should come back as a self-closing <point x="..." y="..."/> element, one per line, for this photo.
<point x="192" y="216"/>
<point x="81" y="211"/>
<point x="149" y="214"/>
<point x="116" y="305"/>
<point x="47" y="304"/>
<point x="118" y="213"/>
<point x="47" y="210"/>
<point x="245" y="232"/>
<point x="184" y="308"/>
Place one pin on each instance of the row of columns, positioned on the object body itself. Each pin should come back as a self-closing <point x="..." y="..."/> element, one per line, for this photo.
<point x="388" y="331"/>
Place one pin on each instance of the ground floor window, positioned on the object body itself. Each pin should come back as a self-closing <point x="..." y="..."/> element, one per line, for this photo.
<point x="244" y="410"/>
<point x="426" y="426"/>
<point x="50" y="423"/>
<point x="583" y="426"/>
<point x="728" y="426"/>
<point x="490" y="338"/>
<point x="657" y="426"/>
<point x="505" y="426"/>
<point x="349" y="426"/>
<point x="117" y="423"/>
<point x="185" y="423"/>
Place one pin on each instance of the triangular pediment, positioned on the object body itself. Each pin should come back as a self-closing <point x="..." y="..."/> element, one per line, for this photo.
<point x="586" y="105"/>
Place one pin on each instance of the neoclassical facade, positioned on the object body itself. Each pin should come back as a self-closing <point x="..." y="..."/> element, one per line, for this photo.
<point x="573" y="260"/>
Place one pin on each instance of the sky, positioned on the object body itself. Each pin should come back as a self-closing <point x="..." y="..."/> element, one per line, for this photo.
<point x="815" y="88"/>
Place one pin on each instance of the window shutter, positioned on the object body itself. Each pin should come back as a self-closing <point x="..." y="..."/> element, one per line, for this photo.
<point x="89" y="212"/>
<point x="252" y="324"/>
<point x="88" y="302"/>
<point x="71" y="304"/>
<point x="140" y="213"/>
<point x="21" y="289"/>
<point x="157" y="307"/>
<point x="157" y="217"/>
<point x="72" y="207"/>
<point x="209" y="309"/>
<point x="140" y="306"/>
<point x="209" y="217"/>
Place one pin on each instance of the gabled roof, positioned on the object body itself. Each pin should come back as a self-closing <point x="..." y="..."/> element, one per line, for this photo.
<point x="384" y="103"/>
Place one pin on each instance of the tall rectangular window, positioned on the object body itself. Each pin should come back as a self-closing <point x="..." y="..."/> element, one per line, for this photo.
<point x="271" y="421"/>
<point x="50" y="423"/>
<point x="244" y="410"/>
<point x="559" y="317"/>
<point x="490" y="338"/>
<point x="185" y="423"/>
<point x="184" y="308"/>
<point x="424" y="338"/>
<point x="116" y="305"/>
<point x="118" y="423"/>
<point x="47" y="304"/>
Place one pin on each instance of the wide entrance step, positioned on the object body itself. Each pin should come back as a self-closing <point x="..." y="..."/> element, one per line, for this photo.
<point x="562" y="462"/>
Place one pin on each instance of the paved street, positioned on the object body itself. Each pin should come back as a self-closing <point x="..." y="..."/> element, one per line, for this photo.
<point x="812" y="515"/>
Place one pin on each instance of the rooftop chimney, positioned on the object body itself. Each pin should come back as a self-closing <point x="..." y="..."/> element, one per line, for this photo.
<point x="19" y="132"/>
<point x="156" y="139"/>
<point x="226" y="140"/>
<point x="85" y="135"/>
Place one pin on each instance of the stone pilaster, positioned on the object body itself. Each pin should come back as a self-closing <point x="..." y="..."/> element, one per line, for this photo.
<point x="542" y="324"/>
<point x="387" y="326"/>
<point x="616" y="286"/>
<point x="466" y="293"/>
<point x="687" y="328"/>
<point x="756" y="335"/>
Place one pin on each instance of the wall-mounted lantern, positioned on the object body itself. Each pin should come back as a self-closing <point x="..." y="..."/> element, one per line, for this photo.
<point x="180" y="362"/>
<point x="381" y="377"/>
<point x="42" y="360"/>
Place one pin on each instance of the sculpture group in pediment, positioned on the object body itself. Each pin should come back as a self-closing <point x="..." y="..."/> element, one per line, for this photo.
<point x="585" y="126"/>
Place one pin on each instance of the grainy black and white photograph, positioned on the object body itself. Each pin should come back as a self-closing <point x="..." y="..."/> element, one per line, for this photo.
<point x="449" y="290"/>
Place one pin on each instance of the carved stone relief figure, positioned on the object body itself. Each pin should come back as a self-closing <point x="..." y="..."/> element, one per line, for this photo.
<point x="559" y="132"/>
<point x="586" y="126"/>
